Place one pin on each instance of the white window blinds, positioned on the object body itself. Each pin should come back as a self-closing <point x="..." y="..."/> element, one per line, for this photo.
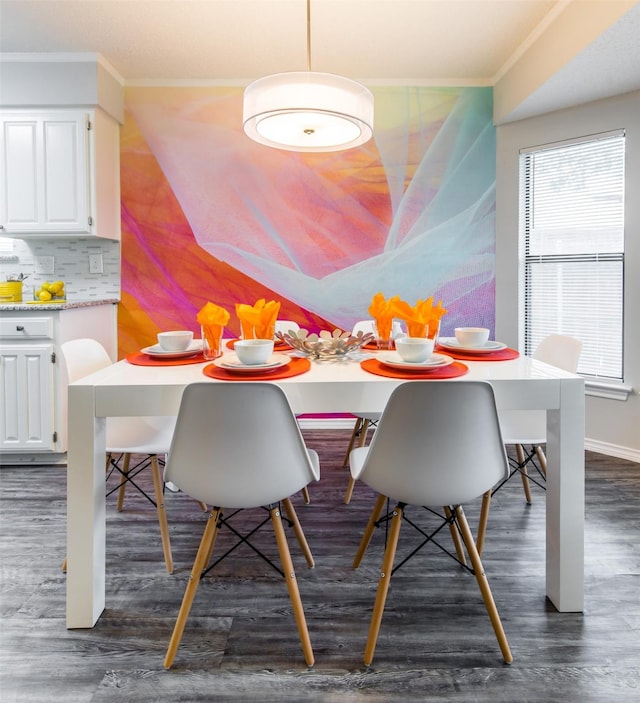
<point x="572" y="210"/>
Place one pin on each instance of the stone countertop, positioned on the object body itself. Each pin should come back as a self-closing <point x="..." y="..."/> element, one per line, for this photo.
<point x="25" y="306"/>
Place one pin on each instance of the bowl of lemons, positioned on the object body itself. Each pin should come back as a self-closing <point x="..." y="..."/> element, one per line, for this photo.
<point x="49" y="292"/>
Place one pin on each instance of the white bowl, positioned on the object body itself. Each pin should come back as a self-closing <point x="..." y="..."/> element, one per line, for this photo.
<point x="177" y="340"/>
<point x="253" y="351"/>
<point x="414" y="349"/>
<point x="472" y="336"/>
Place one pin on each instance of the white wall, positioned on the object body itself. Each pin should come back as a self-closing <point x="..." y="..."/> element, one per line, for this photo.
<point x="612" y="426"/>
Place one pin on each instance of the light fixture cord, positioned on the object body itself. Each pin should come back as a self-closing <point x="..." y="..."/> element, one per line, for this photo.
<point x="309" y="35"/>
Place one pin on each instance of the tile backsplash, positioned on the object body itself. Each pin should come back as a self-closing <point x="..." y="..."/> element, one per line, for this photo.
<point x="71" y="265"/>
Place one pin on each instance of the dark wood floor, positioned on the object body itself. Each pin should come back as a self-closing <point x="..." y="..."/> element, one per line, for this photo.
<point x="241" y="643"/>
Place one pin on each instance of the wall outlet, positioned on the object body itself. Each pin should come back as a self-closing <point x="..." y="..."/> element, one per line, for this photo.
<point x="44" y="264"/>
<point x="95" y="263"/>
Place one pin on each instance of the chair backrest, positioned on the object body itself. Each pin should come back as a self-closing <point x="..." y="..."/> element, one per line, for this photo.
<point x="364" y="326"/>
<point x="559" y="350"/>
<point x="84" y="356"/>
<point x="438" y="443"/>
<point x="285" y="326"/>
<point x="238" y="445"/>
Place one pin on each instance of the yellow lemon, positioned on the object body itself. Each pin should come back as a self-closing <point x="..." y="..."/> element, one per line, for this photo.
<point x="56" y="288"/>
<point x="43" y="295"/>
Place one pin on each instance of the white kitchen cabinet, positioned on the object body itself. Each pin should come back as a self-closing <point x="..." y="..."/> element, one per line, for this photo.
<point x="33" y="382"/>
<point x="27" y="380"/>
<point x="59" y="174"/>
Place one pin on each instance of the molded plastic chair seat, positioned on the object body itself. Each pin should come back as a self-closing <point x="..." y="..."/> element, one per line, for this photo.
<point x="126" y="436"/>
<point x="437" y="444"/>
<point x="528" y="428"/>
<point x="238" y="446"/>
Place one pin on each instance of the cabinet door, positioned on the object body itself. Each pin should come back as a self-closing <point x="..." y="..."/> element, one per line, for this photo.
<point x="26" y="397"/>
<point x="44" y="175"/>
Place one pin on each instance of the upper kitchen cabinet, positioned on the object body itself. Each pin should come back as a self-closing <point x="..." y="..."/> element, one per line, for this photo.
<point x="59" y="174"/>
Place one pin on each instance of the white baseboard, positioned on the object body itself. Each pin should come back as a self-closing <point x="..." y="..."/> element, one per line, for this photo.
<point x="592" y="445"/>
<point x="25" y="459"/>
<point x="619" y="452"/>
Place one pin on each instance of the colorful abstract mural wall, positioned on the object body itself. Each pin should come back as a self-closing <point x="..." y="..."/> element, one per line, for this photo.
<point x="208" y="215"/>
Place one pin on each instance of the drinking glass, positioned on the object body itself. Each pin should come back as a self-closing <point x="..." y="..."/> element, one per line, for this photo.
<point x="212" y="341"/>
<point x="382" y="331"/>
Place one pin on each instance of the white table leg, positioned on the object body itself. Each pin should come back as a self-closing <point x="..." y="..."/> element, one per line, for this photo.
<point x="85" y="510"/>
<point x="565" y="499"/>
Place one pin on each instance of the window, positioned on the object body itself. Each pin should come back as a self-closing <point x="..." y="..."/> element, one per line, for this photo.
<point x="572" y="218"/>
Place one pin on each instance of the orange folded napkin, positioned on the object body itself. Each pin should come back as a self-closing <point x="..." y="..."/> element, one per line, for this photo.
<point x="423" y="319"/>
<point x="258" y="321"/>
<point x="212" y="318"/>
<point x="382" y="313"/>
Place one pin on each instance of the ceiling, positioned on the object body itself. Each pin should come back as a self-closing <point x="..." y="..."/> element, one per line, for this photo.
<point x="418" y="42"/>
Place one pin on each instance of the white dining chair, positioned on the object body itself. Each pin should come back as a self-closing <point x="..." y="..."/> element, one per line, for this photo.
<point x="437" y="444"/>
<point x="526" y="430"/>
<point x="286" y="326"/>
<point x="363" y="421"/>
<point x="149" y="437"/>
<point x="238" y="446"/>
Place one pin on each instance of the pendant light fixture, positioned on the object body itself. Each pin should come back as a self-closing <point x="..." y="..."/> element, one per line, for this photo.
<point x="308" y="111"/>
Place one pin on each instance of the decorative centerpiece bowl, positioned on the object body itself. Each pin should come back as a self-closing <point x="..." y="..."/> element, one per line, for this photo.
<point x="326" y="345"/>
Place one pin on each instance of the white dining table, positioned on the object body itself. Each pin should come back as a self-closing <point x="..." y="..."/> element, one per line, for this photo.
<point x="125" y="389"/>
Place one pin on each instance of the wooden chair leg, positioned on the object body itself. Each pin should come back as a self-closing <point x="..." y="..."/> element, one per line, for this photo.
<point x="126" y="460"/>
<point x="203" y="506"/>
<point x="542" y="459"/>
<point x="158" y="485"/>
<point x="305" y="495"/>
<point x="483" y="583"/>
<point x="369" y="530"/>
<point x="363" y="434"/>
<point x="63" y="568"/>
<point x="200" y="563"/>
<point x="356" y="428"/>
<point x="523" y="473"/>
<point x="455" y="536"/>
<point x="348" y="494"/>
<point x="482" y="523"/>
<point x="292" y="585"/>
<point x="297" y="528"/>
<point x="383" y="584"/>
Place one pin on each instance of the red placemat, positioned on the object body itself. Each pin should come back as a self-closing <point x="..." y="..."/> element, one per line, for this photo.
<point x="451" y="371"/>
<point x="140" y="359"/>
<point x="277" y="345"/>
<point x="295" y="367"/>
<point x="501" y="355"/>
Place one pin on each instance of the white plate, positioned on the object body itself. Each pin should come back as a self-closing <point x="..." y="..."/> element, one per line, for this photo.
<point x="435" y="361"/>
<point x="453" y="344"/>
<point x="230" y="362"/>
<point x="157" y="352"/>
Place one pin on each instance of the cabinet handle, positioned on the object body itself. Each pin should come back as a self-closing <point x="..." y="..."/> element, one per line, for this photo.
<point x="19" y="328"/>
<point x="1" y="226"/>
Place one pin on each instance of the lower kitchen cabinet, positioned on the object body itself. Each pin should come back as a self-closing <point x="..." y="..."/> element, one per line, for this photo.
<point x="27" y="379"/>
<point x="33" y="384"/>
